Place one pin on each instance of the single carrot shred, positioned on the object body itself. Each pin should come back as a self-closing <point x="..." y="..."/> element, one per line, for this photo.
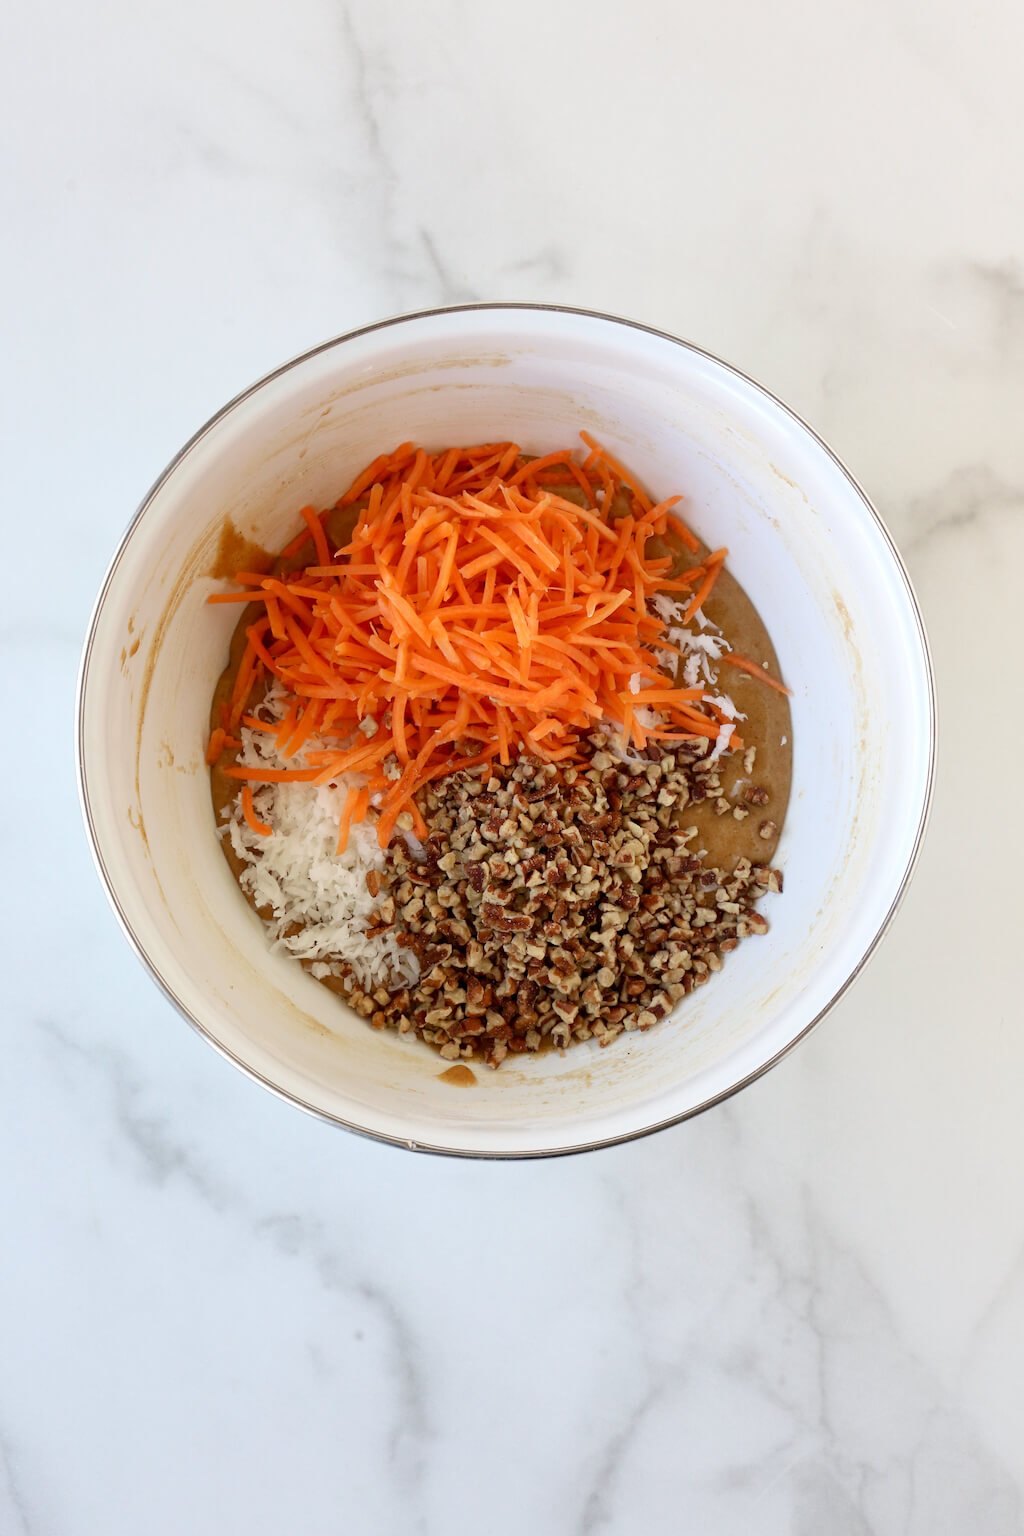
<point x="354" y="809"/>
<point x="744" y="664"/>
<point x="218" y="738"/>
<point x="249" y="812"/>
<point x="714" y="565"/>
<point x="316" y="529"/>
<point x="476" y="610"/>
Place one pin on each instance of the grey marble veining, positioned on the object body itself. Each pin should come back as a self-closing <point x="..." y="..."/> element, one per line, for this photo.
<point x="802" y="1313"/>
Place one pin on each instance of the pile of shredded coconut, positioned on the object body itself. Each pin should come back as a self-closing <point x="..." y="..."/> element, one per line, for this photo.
<point x="318" y="898"/>
<point x="701" y="653"/>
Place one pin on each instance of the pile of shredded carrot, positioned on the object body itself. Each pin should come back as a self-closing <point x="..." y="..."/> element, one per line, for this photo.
<point x="474" y="612"/>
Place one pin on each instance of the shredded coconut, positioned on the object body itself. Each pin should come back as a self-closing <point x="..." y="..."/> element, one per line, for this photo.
<point x="721" y="743"/>
<point x="318" y="899"/>
<point x="723" y="702"/>
<point x="700" y="651"/>
<point x="665" y="606"/>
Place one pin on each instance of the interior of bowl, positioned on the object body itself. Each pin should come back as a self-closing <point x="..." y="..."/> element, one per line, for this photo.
<point x="802" y="540"/>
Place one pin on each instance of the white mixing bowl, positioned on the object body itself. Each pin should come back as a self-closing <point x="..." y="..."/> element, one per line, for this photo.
<point x="804" y="541"/>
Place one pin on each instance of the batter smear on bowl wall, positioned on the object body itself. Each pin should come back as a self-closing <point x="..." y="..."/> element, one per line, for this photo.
<point x="501" y="753"/>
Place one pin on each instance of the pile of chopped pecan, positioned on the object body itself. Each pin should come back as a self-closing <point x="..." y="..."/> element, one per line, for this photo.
<point x="553" y="906"/>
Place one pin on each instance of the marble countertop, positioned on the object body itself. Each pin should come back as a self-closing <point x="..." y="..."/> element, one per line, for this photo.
<point x="801" y="1313"/>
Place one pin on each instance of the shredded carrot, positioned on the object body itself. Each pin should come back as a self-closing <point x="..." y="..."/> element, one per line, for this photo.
<point x="683" y="533"/>
<point x="476" y="610"/>
<point x="316" y="528"/>
<point x="714" y="565"/>
<point x="216" y="746"/>
<point x="356" y="802"/>
<point x="245" y="677"/>
<point x="603" y="456"/>
<point x="249" y="812"/>
<point x="744" y="664"/>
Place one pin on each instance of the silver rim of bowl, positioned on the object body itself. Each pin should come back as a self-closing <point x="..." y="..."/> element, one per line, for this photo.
<point x="312" y="1109"/>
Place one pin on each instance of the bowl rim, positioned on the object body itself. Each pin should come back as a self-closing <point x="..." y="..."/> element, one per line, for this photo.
<point x="440" y="1149"/>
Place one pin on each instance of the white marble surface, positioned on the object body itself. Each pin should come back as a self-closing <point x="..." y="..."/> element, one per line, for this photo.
<point x="805" y="1311"/>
